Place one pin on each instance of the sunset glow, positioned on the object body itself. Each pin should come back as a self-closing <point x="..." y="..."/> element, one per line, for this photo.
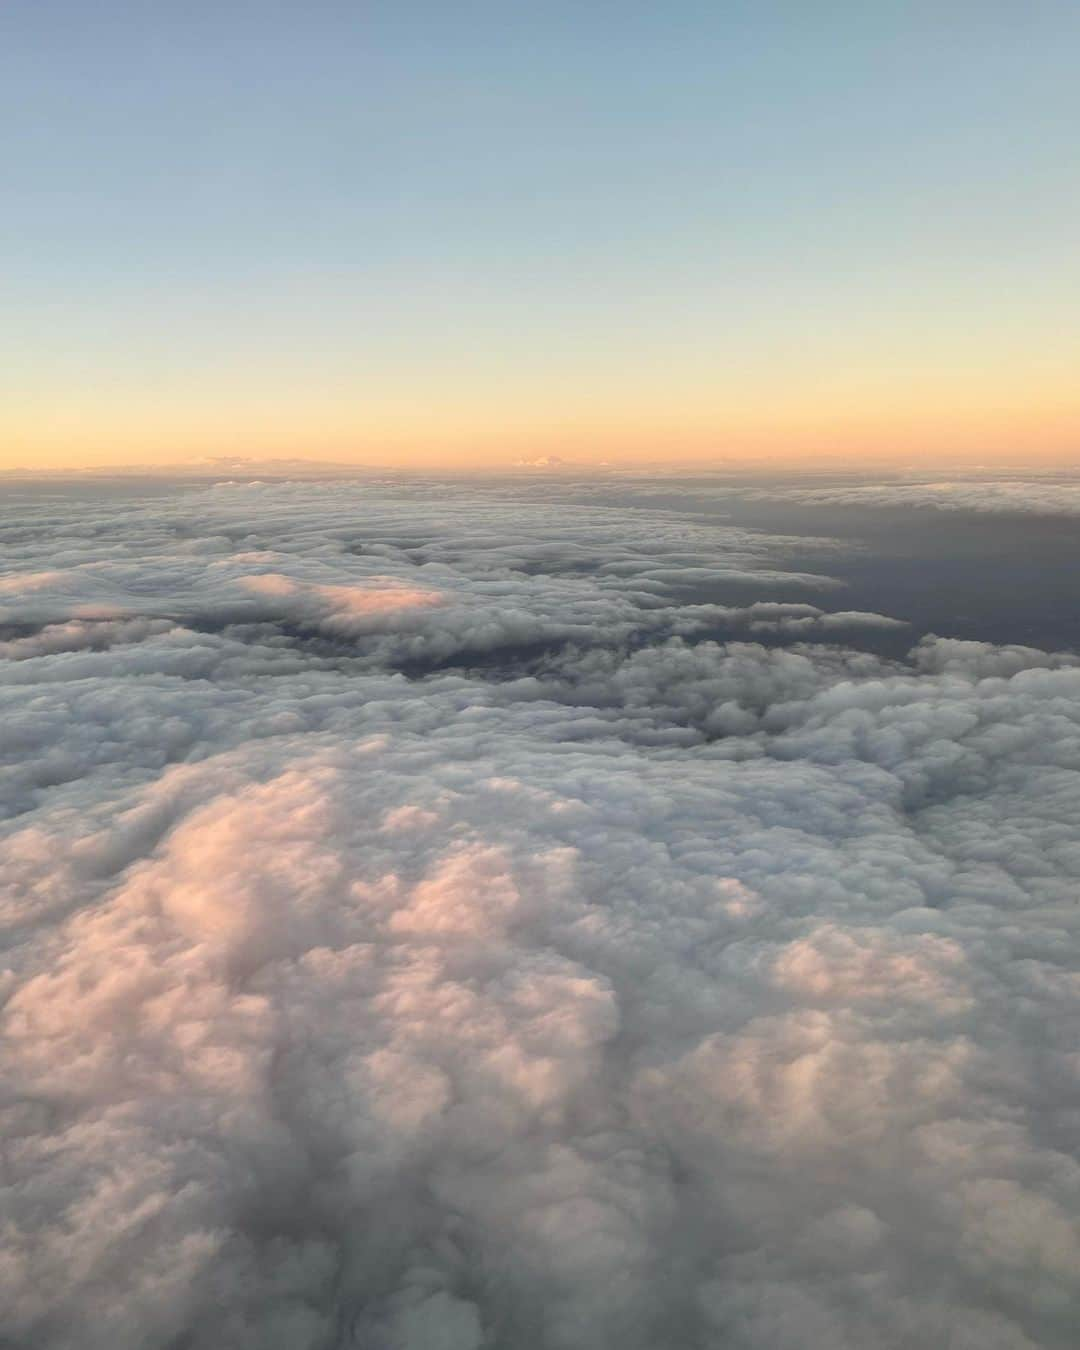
<point x="383" y="235"/>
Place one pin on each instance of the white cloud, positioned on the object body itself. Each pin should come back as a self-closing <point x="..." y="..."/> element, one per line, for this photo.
<point x="1049" y="495"/>
<point x="665" y="991"/>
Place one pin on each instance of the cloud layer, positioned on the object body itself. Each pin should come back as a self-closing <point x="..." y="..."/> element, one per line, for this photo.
<point x="422" y="932"/>
<point x="1051" y="495"/>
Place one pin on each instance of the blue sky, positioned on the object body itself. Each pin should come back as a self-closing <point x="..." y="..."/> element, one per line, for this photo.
<point x="406" y="221"/>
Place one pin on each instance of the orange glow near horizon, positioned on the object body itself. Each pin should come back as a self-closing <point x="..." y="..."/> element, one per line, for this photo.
<point x="867" y="428"/>
<point x="844" y="237"/>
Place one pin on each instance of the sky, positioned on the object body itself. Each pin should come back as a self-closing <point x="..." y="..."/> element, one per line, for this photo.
<point x="425" y="234"/>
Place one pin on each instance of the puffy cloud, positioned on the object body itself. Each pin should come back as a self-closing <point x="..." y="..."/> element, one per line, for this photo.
<point x="422" y="934"/>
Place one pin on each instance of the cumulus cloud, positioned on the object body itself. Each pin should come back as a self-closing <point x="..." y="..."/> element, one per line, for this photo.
<point x="428" y="927"/>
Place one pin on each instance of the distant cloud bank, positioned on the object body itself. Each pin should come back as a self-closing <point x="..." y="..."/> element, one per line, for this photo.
<point x="1050" y="496"/>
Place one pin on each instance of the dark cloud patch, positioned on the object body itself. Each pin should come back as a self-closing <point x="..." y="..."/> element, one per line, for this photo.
<point x="980" y="559"/>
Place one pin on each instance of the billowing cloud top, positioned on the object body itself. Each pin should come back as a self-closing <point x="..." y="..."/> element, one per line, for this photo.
<point x="431" y="924"/>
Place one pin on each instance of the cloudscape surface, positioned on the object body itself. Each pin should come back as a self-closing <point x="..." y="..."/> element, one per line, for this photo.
<point x="543" y="912"/>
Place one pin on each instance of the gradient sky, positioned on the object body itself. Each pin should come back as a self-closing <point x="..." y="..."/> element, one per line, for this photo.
<point x="461" y="233"/>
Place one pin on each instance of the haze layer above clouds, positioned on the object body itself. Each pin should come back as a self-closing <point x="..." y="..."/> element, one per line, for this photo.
<point x="524" y="915"/>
